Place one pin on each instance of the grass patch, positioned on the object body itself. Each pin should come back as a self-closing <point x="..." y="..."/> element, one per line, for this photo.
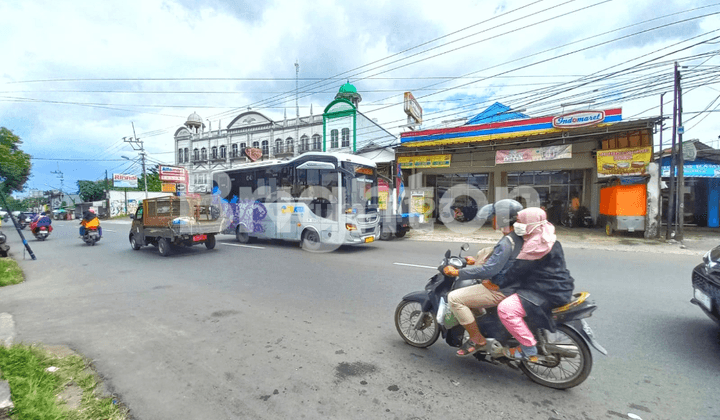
<point x="35" y="391"/>
<point x="10" y="272"/>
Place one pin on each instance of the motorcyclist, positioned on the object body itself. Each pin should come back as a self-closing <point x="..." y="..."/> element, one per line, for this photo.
<point x="544" y="282"/>
<point x="90" y="220"/>
<point x="39" y="221"/>
<point x="482" y="290"/>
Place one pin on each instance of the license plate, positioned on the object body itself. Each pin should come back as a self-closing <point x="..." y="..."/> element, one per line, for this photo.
<point x="369" y="239"/>
<point x="704" y="299"/>
<point x="198" y="238"/>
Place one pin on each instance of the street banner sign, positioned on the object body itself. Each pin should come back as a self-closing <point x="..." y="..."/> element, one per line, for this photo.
<point x="172" y="174"/>
<point x="168" y="187"/>
<point x="125" y="181"/>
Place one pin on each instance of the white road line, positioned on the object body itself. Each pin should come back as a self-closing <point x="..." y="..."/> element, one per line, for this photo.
<point x="415" y="265"/>
<point x="108" y="230"/>
<point x="244" y="246"/>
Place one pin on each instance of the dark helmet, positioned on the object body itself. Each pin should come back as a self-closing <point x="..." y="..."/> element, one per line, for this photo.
<point x="504" y="211"/>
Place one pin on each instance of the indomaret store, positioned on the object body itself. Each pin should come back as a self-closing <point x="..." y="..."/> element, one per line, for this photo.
<point x="567" y="159"/>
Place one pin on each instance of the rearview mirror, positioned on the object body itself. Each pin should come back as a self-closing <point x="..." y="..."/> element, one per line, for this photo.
<point x="465" y="247"/>
<point x="132" y="216"/>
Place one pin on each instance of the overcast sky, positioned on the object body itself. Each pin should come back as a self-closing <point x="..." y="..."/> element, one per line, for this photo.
<point x="76" y="75"/>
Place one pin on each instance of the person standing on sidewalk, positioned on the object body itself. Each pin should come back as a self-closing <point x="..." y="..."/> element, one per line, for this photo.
<point x="486" y="294"/>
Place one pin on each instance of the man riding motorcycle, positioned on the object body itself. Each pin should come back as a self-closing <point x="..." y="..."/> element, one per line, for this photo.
<point x="90" y="221"/>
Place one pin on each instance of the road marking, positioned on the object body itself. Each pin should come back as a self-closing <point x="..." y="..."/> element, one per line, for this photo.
<point x="244" y="246"/>
<point x="415" y="265"/>
<point x="108" y="230"/>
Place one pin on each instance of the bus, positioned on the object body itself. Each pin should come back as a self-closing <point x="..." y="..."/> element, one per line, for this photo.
<point x="317" y="199"/>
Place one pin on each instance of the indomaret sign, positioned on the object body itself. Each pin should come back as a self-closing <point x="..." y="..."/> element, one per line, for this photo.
<point x="579" y="119"/>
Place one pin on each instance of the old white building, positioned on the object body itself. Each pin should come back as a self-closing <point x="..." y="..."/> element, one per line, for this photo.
<point x="341" y="128"/>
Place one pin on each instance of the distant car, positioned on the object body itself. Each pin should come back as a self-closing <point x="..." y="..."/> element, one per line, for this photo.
<point x="706" y="284"/>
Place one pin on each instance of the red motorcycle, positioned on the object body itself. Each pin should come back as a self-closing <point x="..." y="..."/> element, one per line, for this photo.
<point x="41" y="227"/>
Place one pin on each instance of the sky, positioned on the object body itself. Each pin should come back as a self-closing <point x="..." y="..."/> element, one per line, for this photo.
<point x="76" y="77"/>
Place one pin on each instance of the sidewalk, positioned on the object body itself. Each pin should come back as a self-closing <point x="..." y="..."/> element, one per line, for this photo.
<point x="698" y="240"/>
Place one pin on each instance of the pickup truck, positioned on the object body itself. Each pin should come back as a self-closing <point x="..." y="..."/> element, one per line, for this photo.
<point x="165" y="222"/>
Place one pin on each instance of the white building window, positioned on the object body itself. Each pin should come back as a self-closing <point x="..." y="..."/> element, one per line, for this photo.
<point x="334" y="139"/>
<point x="345" y="137"/>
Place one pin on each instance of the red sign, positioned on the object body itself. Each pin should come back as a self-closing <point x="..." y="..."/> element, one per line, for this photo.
<point x="173" y="174"/>
<point x="253" y="153"/>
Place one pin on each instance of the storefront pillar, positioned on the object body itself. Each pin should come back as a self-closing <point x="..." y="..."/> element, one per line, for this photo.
<point x="713" y="208"/>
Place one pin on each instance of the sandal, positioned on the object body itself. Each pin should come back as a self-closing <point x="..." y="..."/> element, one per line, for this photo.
<point x="469" y="347"/>
<point x="517" y="353"/>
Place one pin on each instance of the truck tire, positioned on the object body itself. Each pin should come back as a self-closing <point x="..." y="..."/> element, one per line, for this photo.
<point x="400" y="233"/>
<point x="386" y="236"/>
<point x="210" y="242"/>
<point x="133" y="243"/>
<point x="164" y="247"/>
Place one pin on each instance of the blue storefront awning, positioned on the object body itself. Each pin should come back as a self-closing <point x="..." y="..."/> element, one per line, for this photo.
<point x="694" y="169"/>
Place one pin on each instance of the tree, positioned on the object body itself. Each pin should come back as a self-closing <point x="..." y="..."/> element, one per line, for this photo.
<point x="92" y="190"/>
<point x="153" y="178"/>
<point x="14" y="163"/>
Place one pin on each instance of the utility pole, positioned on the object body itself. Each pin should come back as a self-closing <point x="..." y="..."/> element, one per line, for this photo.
<point x="671" y="197"/>
<point x="136" y="142"/>
<point x="62" y="186"/>
<point x="681" y="164"/>
<point x="107" y="195"/>
<point x="297" y="109"/>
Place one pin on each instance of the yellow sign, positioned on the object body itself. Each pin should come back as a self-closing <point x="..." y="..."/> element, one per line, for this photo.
<point x="623" y="162"/>
<point x="169" y="187"/>
<point x="432" y="161"/>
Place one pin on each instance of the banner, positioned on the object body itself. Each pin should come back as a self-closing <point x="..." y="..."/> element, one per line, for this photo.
<point x="696" y="170"/>
<point x="169" y="187"/>
<point x="383" y="194"/>
<point x="623" y="162"/>
<point x="433" y="161"/>
<point x="173" y="174"/>
<point x="533" y="155"/>
<point x="125" y="181"/>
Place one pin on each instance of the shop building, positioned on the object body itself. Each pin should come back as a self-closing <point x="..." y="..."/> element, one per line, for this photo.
<point x="556" y="155"/>
<point x="701" y="195"/>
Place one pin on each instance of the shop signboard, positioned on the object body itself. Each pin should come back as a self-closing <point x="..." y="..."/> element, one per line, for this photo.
<point x="431" y="161"/>
<point x="172" y="174"/>
<point x="417" y="204"/>
<point x="169" y="187"/>
<point x="623" y="162"/>
<point x="412" y="108"/>
<point x="578" y="119"/>
<point x="383" y="194"/>
<point x="534" y="155"/>
<point x="125" y="181"/>
<point x="696" y="170"/>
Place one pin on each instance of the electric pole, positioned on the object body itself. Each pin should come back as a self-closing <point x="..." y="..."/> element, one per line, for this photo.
<point x="137" y="145"/>
<point x="62" y="186"/>
<point x="681" y="164"/>
<point x="673" y="159"/>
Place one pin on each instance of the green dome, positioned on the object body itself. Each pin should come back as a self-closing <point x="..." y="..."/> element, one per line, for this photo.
<point x="347" y="88"/>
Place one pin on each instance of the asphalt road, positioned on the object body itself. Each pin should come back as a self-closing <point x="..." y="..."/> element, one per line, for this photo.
<point x="273" y="332"/>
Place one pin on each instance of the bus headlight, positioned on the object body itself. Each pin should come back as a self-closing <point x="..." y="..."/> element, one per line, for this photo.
<point x="350" y="227"/>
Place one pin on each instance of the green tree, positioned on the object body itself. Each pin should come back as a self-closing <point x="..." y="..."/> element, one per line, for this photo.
<point x="14" y="163"/>
<point x="153" y="178"/>
<point x="92" y="190"/>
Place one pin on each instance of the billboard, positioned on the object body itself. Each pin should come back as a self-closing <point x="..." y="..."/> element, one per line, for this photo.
<point x="125" y="181"/>
<point x="623" y="162"/>
<point x="173" y="174"/>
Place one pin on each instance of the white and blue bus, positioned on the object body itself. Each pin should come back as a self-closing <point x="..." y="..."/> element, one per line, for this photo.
<point x="315" y="198"/>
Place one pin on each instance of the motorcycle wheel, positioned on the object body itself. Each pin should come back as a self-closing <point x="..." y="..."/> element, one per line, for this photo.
<point x="566" y="372"/>
<point x="406" y="316"/>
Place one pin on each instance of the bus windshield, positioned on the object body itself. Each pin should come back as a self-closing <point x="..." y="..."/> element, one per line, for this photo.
<point x="361" y="187"/>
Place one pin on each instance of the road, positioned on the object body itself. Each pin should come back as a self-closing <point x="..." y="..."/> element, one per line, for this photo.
<point x="273" y="332"/>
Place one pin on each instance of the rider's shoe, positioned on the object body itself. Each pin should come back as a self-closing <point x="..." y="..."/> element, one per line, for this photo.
<point x="526" y="353"/>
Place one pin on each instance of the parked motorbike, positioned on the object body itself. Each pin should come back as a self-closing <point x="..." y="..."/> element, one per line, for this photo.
<point x="91" y="235"/>
<point x="564" y="353"/>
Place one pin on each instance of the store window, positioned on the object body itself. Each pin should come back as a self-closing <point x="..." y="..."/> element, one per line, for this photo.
<point x="459" y="192"/>
<point x="555" y="189"/>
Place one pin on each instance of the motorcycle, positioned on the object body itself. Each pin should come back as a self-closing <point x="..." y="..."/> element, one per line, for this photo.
<point x="41" y="228"/>
<point x="91" y="235"/>
<point x="564" y="357"/>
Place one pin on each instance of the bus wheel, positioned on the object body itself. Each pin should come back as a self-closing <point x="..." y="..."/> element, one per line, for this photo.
<point x="311" y="240"/>
<point x="241" y="235"/>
